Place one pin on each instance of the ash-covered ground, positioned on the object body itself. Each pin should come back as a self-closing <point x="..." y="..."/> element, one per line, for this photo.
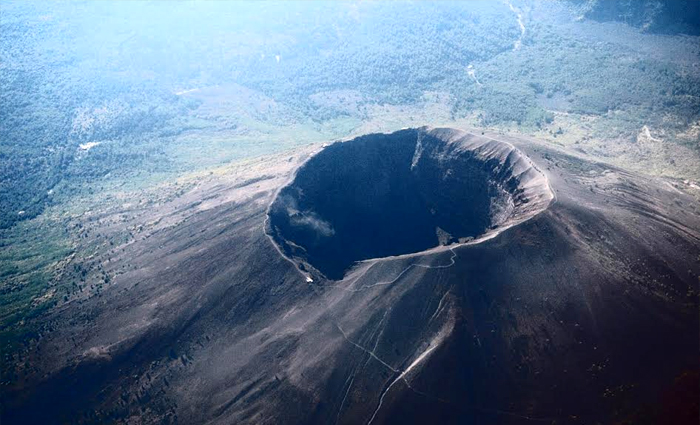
<point x="578" y="306"/>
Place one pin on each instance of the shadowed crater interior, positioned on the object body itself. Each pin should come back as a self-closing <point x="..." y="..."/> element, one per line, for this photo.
<point x="382" y="195"/>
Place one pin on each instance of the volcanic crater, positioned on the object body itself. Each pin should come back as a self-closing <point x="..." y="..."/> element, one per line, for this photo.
<point x="383" y="195"/>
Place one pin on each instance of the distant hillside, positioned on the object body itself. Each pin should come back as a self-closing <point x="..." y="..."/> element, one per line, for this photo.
<point x="670" y="17"/>
<point x="143" y="87"/>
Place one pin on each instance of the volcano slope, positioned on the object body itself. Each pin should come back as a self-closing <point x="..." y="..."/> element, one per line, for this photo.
<point x="425" y="276"/>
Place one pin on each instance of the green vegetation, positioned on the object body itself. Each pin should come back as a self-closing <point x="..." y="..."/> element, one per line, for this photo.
<point x="32" y="258"/>
<point x="126" y="78"/>
<point x="649" y="15"/>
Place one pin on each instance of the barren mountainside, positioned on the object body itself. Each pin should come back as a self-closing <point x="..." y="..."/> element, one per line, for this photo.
<point x="555" y="317"/>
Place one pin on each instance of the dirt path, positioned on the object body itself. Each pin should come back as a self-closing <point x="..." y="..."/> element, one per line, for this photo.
<point x="519" y="41"/>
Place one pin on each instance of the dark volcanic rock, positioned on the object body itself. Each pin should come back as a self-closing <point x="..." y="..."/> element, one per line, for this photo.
<point x="580" y="309"/>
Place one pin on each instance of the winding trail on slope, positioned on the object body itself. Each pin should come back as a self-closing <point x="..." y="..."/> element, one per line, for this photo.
<point x="370" y="352"/>
<point x="351" y="378"/>
<point x="402" y="377"/>
<point x="394" y="280"/>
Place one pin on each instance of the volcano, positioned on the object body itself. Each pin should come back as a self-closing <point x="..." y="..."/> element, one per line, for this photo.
<point x="430" y="275"/>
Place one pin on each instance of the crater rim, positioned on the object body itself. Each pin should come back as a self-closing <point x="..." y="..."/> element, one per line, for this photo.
<point x="527" y="186"/>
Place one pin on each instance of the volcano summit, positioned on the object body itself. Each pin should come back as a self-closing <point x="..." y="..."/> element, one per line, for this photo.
<point x="390" y="194"/>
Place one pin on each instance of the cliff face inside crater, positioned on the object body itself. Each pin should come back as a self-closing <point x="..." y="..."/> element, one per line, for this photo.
<point x="384" y="195"/>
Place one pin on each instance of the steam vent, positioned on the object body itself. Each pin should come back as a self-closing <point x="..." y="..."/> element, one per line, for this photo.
<point x="384" y="195"/>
